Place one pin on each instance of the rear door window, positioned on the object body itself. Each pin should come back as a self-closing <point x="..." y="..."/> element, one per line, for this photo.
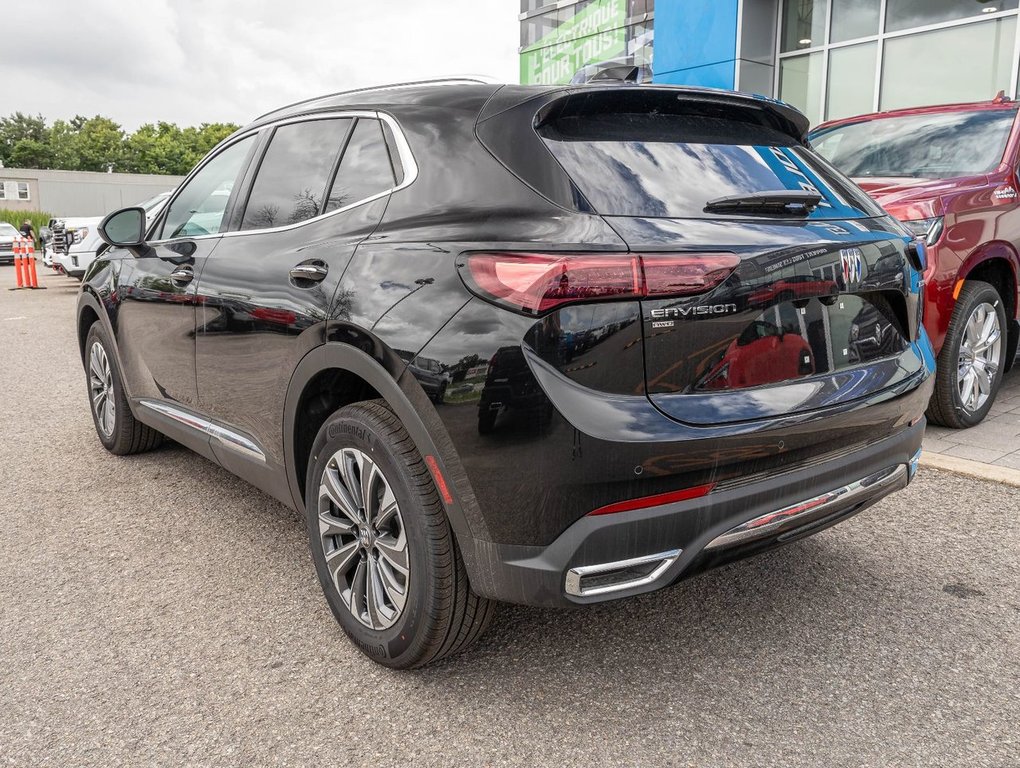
<point x="672" y="165"/>
<point x="294" y="173"/>
<point x="365" y="170"/>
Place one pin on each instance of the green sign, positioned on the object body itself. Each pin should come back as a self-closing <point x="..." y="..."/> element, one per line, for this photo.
<point x="595" y="34"/>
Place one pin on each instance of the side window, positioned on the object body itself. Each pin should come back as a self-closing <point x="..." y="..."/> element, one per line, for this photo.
<point x="294" y="173"/>
<point x="199" y="208"/>
<point x="365" y="169"/>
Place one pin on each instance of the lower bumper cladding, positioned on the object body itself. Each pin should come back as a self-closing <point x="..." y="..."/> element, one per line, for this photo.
<point x="610" y="556"/>
<point x="804" y="512"/>
<point x="623" y="575"/>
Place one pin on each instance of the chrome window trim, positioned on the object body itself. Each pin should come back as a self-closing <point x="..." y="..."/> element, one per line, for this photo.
<point x="407" y="160"/>
<point x="228" y="438"/>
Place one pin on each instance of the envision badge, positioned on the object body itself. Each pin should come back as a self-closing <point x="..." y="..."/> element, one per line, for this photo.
<point x="853" y="265"/>
<point x="704" y="309"/>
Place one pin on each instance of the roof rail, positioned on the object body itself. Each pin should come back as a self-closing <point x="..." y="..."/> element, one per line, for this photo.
<point x="455" y="80"/>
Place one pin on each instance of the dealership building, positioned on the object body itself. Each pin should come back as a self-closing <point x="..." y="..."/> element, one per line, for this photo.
<point x="829" y="58"/>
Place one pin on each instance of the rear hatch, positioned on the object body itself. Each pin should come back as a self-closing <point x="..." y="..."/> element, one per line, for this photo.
<point x="821" y="305"/>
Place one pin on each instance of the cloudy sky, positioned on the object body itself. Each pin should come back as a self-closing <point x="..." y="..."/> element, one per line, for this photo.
<point x="194" y="61"/>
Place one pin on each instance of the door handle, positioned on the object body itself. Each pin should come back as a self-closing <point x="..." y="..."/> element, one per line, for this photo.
<point x="313" y="272"/>
<point x="182" y="275"/>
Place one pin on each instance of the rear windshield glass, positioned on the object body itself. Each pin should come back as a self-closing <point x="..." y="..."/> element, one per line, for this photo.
<point x="919" y="146"/>
<point x="668" y="165"/>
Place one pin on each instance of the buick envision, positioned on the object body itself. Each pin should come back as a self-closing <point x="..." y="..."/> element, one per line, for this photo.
<point x="582" y="263"/>
<point x="950" y="174"/>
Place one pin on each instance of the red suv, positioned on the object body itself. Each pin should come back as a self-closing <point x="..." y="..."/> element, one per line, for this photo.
<point x="949" y="173"/>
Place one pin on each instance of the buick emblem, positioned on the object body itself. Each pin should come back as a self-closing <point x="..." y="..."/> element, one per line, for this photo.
<point x="853" y="265"/>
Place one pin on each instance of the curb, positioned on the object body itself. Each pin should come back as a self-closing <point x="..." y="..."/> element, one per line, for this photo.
<point x="970" y="468"/>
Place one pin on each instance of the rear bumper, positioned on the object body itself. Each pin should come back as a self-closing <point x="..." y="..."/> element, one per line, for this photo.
<point x="620" y="555"/>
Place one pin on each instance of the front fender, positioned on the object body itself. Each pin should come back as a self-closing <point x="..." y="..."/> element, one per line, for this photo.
<point x="92" y="298"/>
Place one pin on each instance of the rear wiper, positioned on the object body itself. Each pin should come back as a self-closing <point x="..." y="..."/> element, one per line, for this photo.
<point x="793" y="202"/>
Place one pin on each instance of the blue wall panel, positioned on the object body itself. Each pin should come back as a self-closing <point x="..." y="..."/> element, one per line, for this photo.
<point x="695" y="42"/>
<point x="720" y="75"/>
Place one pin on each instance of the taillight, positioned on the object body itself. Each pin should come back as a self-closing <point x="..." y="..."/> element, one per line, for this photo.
<point x="536" y="283"/>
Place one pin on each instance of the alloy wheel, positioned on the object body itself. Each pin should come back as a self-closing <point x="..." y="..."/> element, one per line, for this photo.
<point x="363" y="539"/>
<point x="978" y="363"/>
<point x="101" y="388"/>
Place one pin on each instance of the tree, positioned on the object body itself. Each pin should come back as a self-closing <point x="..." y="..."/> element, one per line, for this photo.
<point x="63" y="145"/>
<point x="92" y="144"/>
<point x="100" y="143"/>
<point x="19" y="127"/>
<point x="31" y="153"/>
<point x="158" y="148"/>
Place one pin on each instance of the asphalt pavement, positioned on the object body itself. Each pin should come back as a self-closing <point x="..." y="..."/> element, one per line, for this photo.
<point x="154" y="610"/>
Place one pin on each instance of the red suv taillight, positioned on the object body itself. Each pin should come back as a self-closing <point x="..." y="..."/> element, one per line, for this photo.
<point x="536" y="283"/>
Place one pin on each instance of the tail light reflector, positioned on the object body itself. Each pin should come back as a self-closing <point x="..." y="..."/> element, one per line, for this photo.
<point x="654" y="501"/>
<point x="536" y="283"/>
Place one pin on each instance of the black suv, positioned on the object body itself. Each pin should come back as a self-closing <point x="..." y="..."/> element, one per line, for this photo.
<point x="582" y="264"/>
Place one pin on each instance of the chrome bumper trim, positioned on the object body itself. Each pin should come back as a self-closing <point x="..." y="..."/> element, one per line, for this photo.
<point x="574" y="575"/>
<point x="765" y="526"/>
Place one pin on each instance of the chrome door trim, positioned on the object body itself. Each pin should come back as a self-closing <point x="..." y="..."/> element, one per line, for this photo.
<point x="228" y="438"/>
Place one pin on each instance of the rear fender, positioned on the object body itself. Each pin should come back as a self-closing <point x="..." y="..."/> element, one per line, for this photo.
<point x="408" y="401"/>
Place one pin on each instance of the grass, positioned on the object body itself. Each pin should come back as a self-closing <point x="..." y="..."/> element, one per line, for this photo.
<point x="17" y="218"/>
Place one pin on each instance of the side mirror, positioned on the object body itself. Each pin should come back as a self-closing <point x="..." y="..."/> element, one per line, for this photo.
<point x="45" y="233"/>
<point x="124" y="228"/>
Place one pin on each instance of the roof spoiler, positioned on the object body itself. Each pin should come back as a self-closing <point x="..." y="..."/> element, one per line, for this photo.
<point x="595" y="98"/>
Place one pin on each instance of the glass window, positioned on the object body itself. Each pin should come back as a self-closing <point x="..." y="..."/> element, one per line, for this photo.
<point x="3" y="190"/>
<point x="673" y="165"/>
<point x="533" y="30"/>
<point x="917" y="69"/>
<point x="23" y="190"/>
<point x="199" y="208"/>
<point x="803" y="24"/>
<point x="294" y="173"/>
<point x="904" y="14"/>
<point x="853" y="18"/>
<point x="800" y="83"/>
<point x="365" y="169"/>
<point x="926" y="146"/>
<point x="851" y="82"/>
<point x="638" y="7"/>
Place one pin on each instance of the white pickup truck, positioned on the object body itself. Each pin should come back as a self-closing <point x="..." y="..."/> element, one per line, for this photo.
<point x="73" y="243"/>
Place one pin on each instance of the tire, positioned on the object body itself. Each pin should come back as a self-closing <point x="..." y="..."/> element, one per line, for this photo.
<point x="119" y="432"/>
<point x="418" y="618"/>
<point x="487" y="421"/>
<point x="947" y="406"/>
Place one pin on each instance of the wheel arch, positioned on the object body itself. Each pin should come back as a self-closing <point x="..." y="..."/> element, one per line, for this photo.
<point x="362" y="376"/>
<point x="998" y="264"/>
<point x="91" y="309"/>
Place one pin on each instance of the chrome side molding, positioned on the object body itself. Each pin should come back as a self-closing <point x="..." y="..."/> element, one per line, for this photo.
<point x="619" y="575"/>
<point x="228" y="438"/>
<point x="848" y="496"/>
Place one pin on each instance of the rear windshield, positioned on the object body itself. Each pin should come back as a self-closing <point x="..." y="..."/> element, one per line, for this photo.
<point x="670" y="165"/>
<point x="919" y="146"/>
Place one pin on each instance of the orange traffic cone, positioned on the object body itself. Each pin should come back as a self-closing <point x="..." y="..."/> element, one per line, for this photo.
<point x="33" y="280"/>
<point x="17" y="262"/>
